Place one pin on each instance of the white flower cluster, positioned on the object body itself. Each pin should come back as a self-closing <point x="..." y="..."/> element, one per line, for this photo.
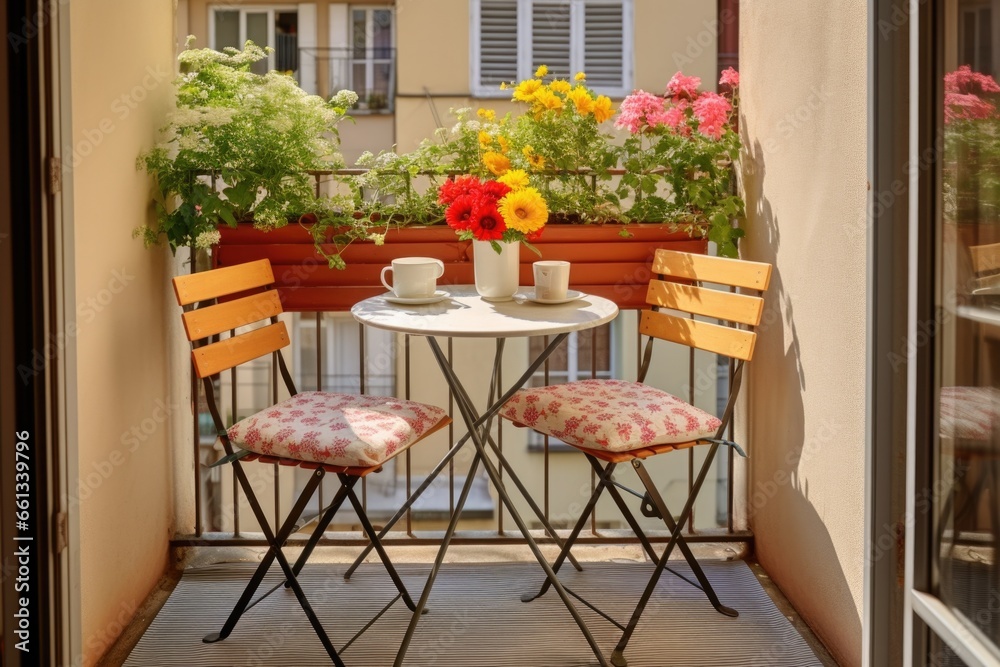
<point x="207" y="239"/>
<point x="344" y="99"/>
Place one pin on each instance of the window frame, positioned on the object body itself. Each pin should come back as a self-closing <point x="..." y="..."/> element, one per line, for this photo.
<point x="271" y="10"/>
<point x="369" y="60"/>
<point x="525" y="67"/>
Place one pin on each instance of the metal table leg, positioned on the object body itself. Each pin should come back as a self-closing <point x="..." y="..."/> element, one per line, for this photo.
<point x="474" y="423"/>
<point x="479" y="422"/>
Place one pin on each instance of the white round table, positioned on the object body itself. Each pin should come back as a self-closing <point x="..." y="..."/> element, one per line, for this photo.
<point x="464" y="314"/>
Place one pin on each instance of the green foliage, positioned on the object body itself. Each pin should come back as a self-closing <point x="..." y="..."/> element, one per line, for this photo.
<point x="239" y="145"/>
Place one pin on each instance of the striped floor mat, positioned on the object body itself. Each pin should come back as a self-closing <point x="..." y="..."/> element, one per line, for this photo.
<point x="476" y="618"/>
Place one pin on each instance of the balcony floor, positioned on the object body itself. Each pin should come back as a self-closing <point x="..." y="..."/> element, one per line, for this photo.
<point x="476" y="617"/>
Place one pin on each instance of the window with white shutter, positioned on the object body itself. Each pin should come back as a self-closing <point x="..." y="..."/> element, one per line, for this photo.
<point x="551" y="38"/>
<point x="497" y="42"/>
<point x="511" y="38"/>
<point x="604" y="32"/>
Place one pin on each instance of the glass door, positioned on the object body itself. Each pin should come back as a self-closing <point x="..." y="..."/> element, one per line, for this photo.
<point x="959" y="598"/>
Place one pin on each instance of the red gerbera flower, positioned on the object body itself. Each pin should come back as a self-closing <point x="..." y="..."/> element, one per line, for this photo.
<point x="451" y="190"/>
<point x="534" y="236"/>
<point x="487" y="223"/>
<point x="459" y="214"/>
<point x="495" y="190"/>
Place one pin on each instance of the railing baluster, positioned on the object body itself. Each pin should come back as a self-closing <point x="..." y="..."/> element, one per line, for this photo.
<point x="409" y="467"/>
<point x="361" y="390"/>
<point x="690" y="524"/>
<point x="277" y="471"/>
<point x="234" y="418"/>
<point x="545" y="439"/>
<point x="451" y="434"/>
<point x="489" y="400"/>
<point x="319" y="369"/>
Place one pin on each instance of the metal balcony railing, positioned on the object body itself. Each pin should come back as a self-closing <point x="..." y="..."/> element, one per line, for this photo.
<point x="329" y="351"/>
<point x="370" y="72"/>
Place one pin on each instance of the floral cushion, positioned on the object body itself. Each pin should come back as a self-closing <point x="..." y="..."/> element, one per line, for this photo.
<point x="336" y="429"/>
<point x="969" y="412"/>
<point x="614" y="415"/>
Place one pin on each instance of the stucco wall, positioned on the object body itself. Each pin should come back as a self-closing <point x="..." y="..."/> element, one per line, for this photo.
<point x="803" y="111"/>
<point x="120" y="93"/>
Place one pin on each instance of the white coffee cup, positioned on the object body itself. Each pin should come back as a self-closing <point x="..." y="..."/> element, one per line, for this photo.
<point x="551" y="279"/>
<point x="413" y="277"/>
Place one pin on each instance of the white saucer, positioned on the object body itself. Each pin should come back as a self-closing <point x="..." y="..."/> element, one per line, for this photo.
<point x="571" y="295"/>
<point x="439" y="295"/>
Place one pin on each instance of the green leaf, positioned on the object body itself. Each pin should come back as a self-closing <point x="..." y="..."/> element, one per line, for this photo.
<point x="227" y="215"/>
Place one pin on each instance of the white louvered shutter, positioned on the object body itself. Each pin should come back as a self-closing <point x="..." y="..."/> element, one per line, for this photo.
<point x="550" y="38"/>
<point x="497" y="42"/>
<point x="603" y="60"/>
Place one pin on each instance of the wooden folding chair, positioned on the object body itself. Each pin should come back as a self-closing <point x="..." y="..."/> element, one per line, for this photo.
<point x="348" y="435"/>
<point x="613" y="421"/>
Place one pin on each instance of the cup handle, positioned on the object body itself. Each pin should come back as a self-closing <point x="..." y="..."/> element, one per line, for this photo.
<point x="382" y="277"/>
<point x="441" y="267"/>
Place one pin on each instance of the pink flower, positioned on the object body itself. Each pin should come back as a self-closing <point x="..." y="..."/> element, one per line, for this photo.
<point x="675" y="116"/>
<point x="641" y="110"/>
<point x="730" y="77"/>
<point x="712" y="111"/>
<point x="964" y="80"/>
<point x="681" y="86"/>
<point x="962" y="90"/>
<point x="966" y="107"/>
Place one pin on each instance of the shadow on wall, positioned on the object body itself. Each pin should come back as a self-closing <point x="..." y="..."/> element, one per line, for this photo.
<point x="792" y="541"/>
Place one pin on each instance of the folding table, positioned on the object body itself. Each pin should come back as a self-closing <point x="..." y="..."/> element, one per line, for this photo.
<point x="466" y="315"/>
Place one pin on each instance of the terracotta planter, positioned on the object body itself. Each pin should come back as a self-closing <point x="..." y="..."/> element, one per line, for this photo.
<point x="603" y="263"/>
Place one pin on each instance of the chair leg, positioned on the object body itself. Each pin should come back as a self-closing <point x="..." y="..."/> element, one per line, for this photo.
<point x="577" y="529"/>
<point x="682" y="544"/>
<point x="323" y="524"/>
<point x="676" y="537"/>
<point x="380" y="550"/>
<point x="623" y="508"/>
<point x="401" y="512"/>
<point x="275" y="542"/>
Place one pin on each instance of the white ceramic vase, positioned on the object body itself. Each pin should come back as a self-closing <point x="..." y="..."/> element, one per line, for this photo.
<point x="496" y="274"/>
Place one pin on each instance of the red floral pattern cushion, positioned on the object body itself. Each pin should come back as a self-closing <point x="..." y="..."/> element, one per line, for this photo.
<point x="336" y="429"/>
<point x="614" y="415"/>
<point x="969" y="412"/>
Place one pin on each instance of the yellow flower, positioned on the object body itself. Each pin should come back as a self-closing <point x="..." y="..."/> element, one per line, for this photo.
<point x="559" y="86"/>
<point x="602" y="109"/>
<point x="526" y="90"/>
<point x="541" y="71"/>
<point x="485" y="140"/>
<point x="487" y="114"/>
<point x="546" y="99"/>
<point x="582" y="99"/>
<point x="503" y="85"/>
<point x="580" y="76"/>
<point x="515" y="179"/>
<point x="524" y="210"/>
<point x="504" y="145"/>
<point x="497" y="163"/>
<point x="536" y="161"/>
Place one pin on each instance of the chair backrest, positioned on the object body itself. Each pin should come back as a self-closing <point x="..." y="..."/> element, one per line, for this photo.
<point x="985" y="258"/>
<point x="693" y="297"/>
<point x="200" y="323"/>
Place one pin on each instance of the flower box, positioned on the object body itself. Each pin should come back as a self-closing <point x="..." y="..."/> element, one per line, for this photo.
<point x="604" y="263"/>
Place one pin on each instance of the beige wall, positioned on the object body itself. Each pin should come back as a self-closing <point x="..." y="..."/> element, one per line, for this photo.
<point x="803" y="108"/>
<point x="120" y="92"/>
